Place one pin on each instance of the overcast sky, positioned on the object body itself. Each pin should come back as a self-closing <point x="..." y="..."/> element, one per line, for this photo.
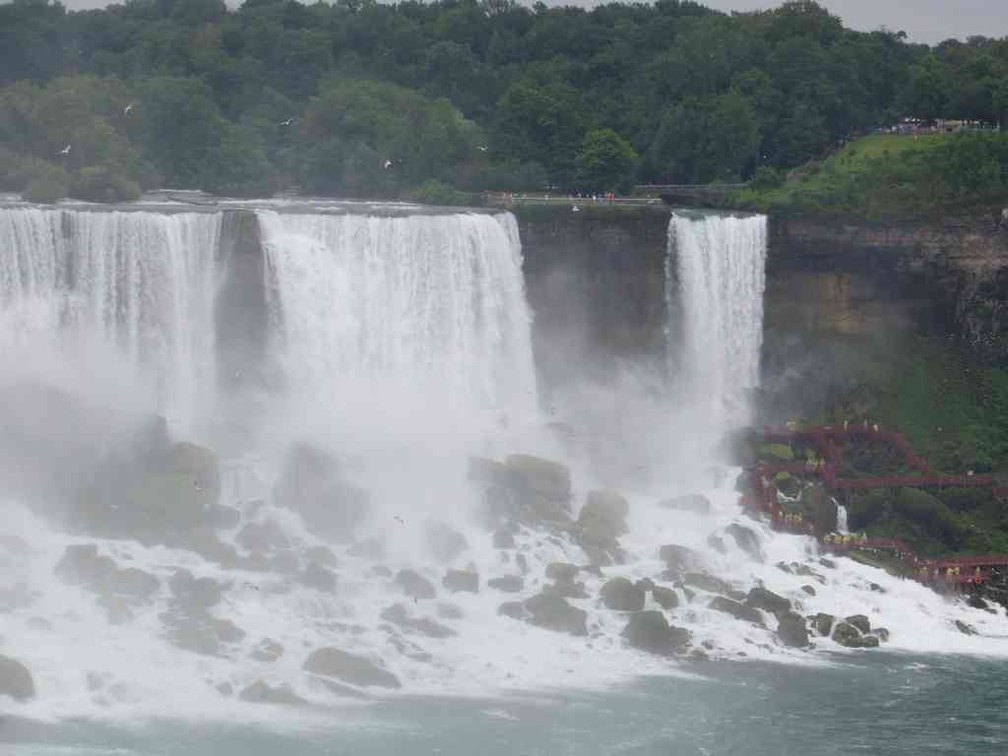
<point x="923" y="20"/>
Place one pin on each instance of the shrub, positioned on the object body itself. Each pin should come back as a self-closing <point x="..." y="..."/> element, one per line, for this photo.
<point x="48" y="183"/>
<point x="100" y="183"/>
<point x="434" y="192"/>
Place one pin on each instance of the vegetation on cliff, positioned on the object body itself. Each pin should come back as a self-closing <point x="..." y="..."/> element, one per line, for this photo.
<point x="375" y="99"/>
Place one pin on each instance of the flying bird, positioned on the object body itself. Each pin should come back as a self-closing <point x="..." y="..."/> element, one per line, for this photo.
<point x="288" y="122"/>
<point x="387" y="164"/>
<point x="127" y="109"/>
<point x="65" y="150"/>
<point x="482" y="148"/>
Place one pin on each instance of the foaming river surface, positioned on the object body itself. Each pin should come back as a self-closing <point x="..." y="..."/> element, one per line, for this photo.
<point x="875" y="704"/>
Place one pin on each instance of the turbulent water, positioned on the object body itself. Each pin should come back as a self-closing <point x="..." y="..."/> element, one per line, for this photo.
<point x="716" y="280"/>
<point x="399" y="345"/>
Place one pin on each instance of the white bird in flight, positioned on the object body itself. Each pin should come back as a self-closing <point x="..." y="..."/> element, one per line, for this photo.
<point x="387" y="164"/>
<point x="288" y="122"/>
<point x="127" y="109"/>
<point x="65" y="150"/>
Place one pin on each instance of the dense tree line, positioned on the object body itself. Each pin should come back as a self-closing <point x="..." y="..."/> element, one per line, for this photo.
<point x="364" y="98"/>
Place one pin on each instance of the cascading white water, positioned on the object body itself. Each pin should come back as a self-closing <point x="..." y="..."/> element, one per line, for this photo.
<point x="715" y="280"/>
<point x="429" y="310"/>
<point x="841" y="520"/>
<point x="136" y="287"/>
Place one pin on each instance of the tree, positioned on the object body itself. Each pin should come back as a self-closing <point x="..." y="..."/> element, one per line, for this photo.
<point x="606" y="162"/>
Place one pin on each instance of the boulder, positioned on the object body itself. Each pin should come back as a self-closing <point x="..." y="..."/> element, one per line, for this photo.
<point x="965" y="629"/>
<point x="761" y="598"/>
<point x="444" y="541"/>
<point x="809" y="590"/>
<point x="489" y="472"/>
<point x="397" y="614"/>
<point x="503" y="538"/>
<point x="827" y="563"/>
<point x="513" y="609"/>
<point x="82" y="565"/>
<point x="260" y="692"/>
<point x="457" y="581"/>
<point x="603" y="517"/>
<point x="859" y="621"/>
<point x="850" y="636"/>
<point x="736" y="609"/>
<point x="562" y="572"/>
<point x="200" y="633"/>
<point x="566" y="589"/>
<point x="550" y="480"/>
<point x="15" y="680"/>
<point x="695" y="503"/>
<point x="310" y="484"/>
<point x="131" y="583"/>
<point x="679" y="558"/>
<point x="746" y="539"/>
<point x="262" y="537"/>
<point x="716" y="543"/>
<point x="665" y="597"/>
<point x="415" y="585"/>
<point x="621" y="595"/>
<point x="976" y="602"/>
<point x="650" y="631"/>
<point x="823" y="624"/>
<point x="706" y="582"/>
<point x="507" y="583"/>
<point x="356" y="670"/>
<point x="320" y="578"/>
<point x="554" y="613"/>
<point x="199" y="464"/>
<point x="881" y="633"/>
<point x="791" y="630"/>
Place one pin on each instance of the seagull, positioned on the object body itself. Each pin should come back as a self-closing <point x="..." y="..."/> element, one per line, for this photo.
<point x="127" y="109"/>
<point x="575" y="209"/>
<point x="387" y="164"/>
<point x="288" y="122"/>
<point x="65" y="150"/>
<point x="482" y="148"/>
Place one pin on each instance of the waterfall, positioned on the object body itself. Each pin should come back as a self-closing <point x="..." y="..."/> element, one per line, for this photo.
<point x="715" y="281"/>
<point x="841" y="520"/>
<point x="133" y="288"/>
<point x="428" y="311"/>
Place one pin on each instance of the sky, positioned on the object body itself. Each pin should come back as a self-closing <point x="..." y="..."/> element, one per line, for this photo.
<point x="927" y="21"/>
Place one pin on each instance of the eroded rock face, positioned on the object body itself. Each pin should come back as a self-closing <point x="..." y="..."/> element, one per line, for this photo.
<point x="311" y="484"/>
<point x="554" y="613"/>
<point x="621" y="595"/>
<point x="350" y="668"/>
<point x="15" y="680"/>
<point x="650" y="631"/>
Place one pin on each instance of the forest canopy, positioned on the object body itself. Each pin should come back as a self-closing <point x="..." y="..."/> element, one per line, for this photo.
<point x="370" y="99"/>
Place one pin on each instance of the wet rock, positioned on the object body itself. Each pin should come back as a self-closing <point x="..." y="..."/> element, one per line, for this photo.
<point x="201" y="634"/>
<point x="562" y="571"/>
<point x="310" y="484"/>
<point x="964" y="628"/>
<point x="444" y="541"/>
<point x="706" y="582"/>
<point x="260" y="692"/>
<point x="192" y="594"/>
<point x="554" y="613"/>
<point x="522" y="563"/>
<point x="746" y="539"/>
<point x="320" y="578"/>
<point x="679" y="558"/>
<point x="976" y="602"/>
<point x="459" y="581"/>
<point x="809" y="590"/>
<point x="881" y="633"/>
<point x="81" y="564"/>
<point x="823" y="624"/>
<point x="860" y="621"/>
<point x="695" y="503"/>
<point x="263" y="537"/>
<point x="785" y="567"/>
<point x="285" y="562"/>
<point x="117" y="609"/>
<point x="736" y="609"/>
<point x="398" y="615"/>
<point x="133" y="584"/>
<point x="206" y="543"/>
<point x="603" y="517"/>
<point x="876" y="588"/>
<point x="548" y="479"/>
<point x="566" y="590"/>
<point x="513" y="609"/>
<point x="761" y="598"/>
<point x="645" y="584"/>
<point x="848" y="636"/>
<point x="665" y="597"/>
<point x="226" y="689"/>
<point x="717" y="543"/>
<point x="449" y="612"/>
<point x="507" y="584"/>
<point x="620" y="595"/>
<point x="650" y="631"/>
<point x="15" y="680"/>
<point x="827" y="563"/>
<point x="415" y="585"/>
<point x="321" y="555"/>
<point x="698" y="655"/>
<point x="268" y="650"/>
<point x="356" y="670"/>
<point x="503" y="538"/>
<point x="791" y="630"/>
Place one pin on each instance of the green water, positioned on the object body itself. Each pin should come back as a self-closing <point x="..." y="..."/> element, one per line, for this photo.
<point x="876" y="704"/>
